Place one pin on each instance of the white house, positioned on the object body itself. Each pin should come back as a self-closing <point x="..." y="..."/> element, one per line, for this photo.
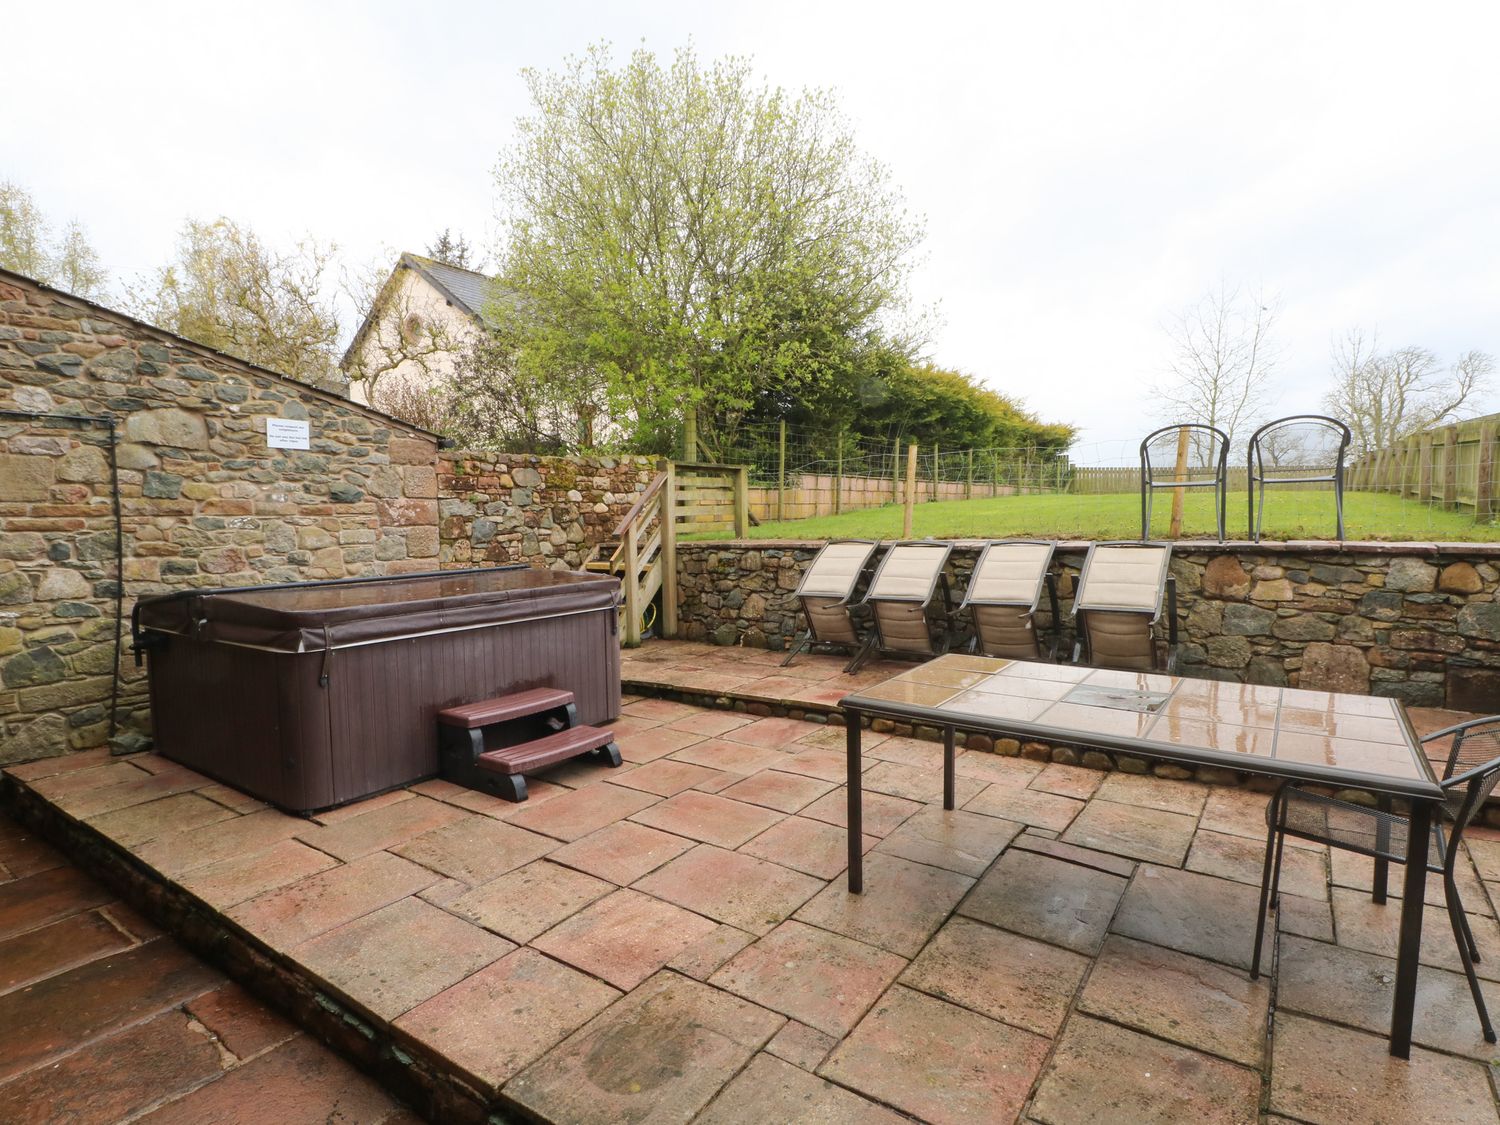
<point x="423" y="317"/>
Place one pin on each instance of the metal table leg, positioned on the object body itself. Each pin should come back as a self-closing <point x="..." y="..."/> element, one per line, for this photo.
<point x="948" y="756"/>
<point x="1415" y="895"/>
<point x="856" y="804"/>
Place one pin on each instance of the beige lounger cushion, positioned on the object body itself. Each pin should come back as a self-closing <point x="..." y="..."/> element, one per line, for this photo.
<point x="1124" y="578"/>
<point x="1005" y="630"/>
<point x="1011" y="575"/>
<point x="909" y="571"/>
<point x="828" y="624"/>
<point x="835" y="570"/>
<point x="1120" y="640"/>
<point x="903" y="627"/>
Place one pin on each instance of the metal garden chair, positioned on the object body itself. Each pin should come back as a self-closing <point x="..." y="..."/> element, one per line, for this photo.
<point x="1469" y="776"/>
<point x="1312" y="449"/>
<point x="1185" y="455"/>
<point x="1003" y="595"/>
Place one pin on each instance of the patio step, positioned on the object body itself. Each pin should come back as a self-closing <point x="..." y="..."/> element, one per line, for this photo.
<point x="504" y="708"/>
<point x="545" y="751"/>
<point x="489" y="744"/>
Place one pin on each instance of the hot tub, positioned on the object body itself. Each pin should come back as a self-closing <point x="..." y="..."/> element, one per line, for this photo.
<point x="319" y="693"/>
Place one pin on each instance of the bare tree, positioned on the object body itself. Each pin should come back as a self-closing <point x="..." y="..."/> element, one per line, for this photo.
<point x="1387" y="396"/>
<point x="1224" y="356"/>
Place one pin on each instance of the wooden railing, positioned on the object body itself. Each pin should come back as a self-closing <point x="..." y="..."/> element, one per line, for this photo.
<point x="1453" y="466"/>
<point x="643" y="550"/>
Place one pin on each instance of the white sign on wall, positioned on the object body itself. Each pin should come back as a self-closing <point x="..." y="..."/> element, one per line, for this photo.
<point x="287" y="433"/>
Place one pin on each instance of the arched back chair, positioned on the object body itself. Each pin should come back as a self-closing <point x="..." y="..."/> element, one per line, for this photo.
<point x="1185" y="455"/>
<point x="1301" y="449"/>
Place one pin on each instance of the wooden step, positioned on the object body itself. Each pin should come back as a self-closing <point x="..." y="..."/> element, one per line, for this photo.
<point x="545" y="751"/>
<point x="471" y="716"/>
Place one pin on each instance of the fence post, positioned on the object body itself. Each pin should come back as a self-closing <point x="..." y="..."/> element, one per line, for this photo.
<point x="632" y="584"/>
<point x="895" y="470"/>
<point x="1450" y="467"/>
<point x="1424" y="470"/>
<point x="669" y="553"/>
<point x="911" y="489"/>
<point x="1484" y="487"/>
<point x="838" y="476"/>
<point x="995" y="484"/>
<point x="937" y="471"/>
<point x="741" y="501"/>
<point x="781" y="475"/>
<point x="969" y="484"/>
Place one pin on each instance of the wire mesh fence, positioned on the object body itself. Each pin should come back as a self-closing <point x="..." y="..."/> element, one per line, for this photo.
<point x="1091" y="491"/>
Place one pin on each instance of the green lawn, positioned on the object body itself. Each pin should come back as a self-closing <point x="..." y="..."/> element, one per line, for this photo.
<point x="1289" y="515"/>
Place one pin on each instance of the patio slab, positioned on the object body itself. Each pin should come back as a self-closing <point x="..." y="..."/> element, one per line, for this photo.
<point x="682" y="954"/>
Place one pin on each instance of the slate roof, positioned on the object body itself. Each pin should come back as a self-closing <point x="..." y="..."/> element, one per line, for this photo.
<point x="464" y="289"/>
<point x="461" y="286"/>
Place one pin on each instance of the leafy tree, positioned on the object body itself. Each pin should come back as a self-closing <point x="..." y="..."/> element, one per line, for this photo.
<point x="930" y="405"/>
<point x="453" y="250"/>
<point x="229" y="290"/>
<point x="27" y="246"/>
<point x="695" y="241"/>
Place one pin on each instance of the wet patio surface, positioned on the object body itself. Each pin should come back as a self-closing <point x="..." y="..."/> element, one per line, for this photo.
<point x="104" y="1018"/>
<point x="672" y="940"/>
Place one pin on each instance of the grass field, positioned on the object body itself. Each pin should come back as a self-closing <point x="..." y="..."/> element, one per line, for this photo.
<point x="1289" y="515"/>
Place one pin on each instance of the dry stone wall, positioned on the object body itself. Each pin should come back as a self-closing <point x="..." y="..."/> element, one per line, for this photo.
<point x="500" y="508"/>
<point x="204" y="500"/>
<point x="1418" y="622"/>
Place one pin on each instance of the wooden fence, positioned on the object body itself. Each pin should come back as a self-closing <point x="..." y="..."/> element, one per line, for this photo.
<point x="826" y="494"/>
<point x="1090" y="480"/>
<point x="709" y="497"/>
<point x="1453" y="466"/>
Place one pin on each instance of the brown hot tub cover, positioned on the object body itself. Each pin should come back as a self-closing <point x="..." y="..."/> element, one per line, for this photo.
<point x="315" y="694"/>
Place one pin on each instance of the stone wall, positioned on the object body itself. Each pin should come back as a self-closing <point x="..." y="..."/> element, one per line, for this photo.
<point x="204" y="500"/>
<point x="1419" y="622"/>
<point x="519" y="508"/>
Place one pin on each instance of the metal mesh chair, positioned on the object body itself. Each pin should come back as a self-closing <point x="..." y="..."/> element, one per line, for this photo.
<point x="1469" y="776"/>
<point x="1118" y="603"/>
<point x="1186" y="455"/>
<point x="1301" y="449"/>
<point x="826" y="595"/>
<point x="901" y="600"/>
<point x="1003" y="595"/>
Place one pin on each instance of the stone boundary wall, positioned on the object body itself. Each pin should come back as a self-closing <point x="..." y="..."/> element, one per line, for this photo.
<point x="204" y="500"/>
<point x="1418" y="622"/>
<point x="497" y="508"/>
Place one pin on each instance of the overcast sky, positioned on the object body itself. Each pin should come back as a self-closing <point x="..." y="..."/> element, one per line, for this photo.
<point x="1086" y="171"/>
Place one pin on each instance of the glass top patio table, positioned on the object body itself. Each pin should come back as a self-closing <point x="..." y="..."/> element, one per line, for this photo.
<point x="1315" y="736"/>
<point x="1348" y="741"/>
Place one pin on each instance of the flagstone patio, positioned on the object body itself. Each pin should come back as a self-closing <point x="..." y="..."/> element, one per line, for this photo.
<point x="672" y="940"/>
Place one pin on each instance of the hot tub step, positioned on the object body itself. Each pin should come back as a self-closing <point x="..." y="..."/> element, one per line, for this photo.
<point x="548" y="750"/>
<point x="505" y="708"/>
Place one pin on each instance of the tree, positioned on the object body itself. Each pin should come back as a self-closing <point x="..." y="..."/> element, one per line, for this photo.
<point x="694" y="241"/>
<point x="1386" y="396"/>
<point x="27" y="246"/>
<point x="228" y="290"/>
<point x="452" y="250"/>
<point x="1224" y="354"/>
